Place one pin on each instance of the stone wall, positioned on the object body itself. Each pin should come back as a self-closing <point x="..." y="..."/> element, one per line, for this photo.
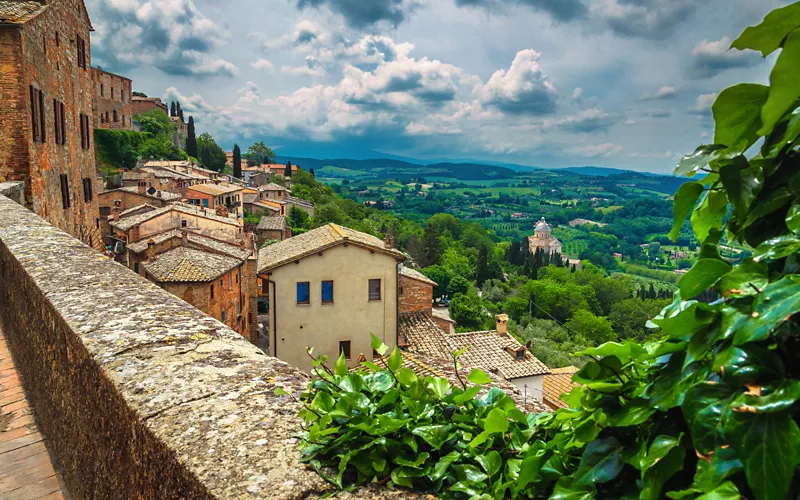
<point x="415" y="296"/>
<point x="112" y="93"/>
<point x="141" y="395"/>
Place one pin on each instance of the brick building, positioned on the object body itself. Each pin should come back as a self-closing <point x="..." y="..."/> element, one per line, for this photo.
<point x="46" y="112"/>
<point x="272" y="228"/>
<point x="141" y="105"/>
<point x="416" y="292"/>
<point x="217" y="196"/>
<point x="114" y="202"/>
<point x="112" y="100"/>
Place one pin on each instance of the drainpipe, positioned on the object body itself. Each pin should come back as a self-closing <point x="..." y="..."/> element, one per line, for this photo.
<point x="274" y="322"/>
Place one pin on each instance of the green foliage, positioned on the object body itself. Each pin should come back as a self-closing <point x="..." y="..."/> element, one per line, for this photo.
<point x="259" y="153"/>
<point x="212" y="156"/>
<point x="117" y="148"/>
<point x="467" y="310"/>
<point x="596" y="329"/>
<point x="237" y="162"/>
<point x="160" y="148"/>
<point x="708" y="411"/>
<point x="191" y="139"/>
<point x="298" y="219"/>
<point x="155" y="123"/>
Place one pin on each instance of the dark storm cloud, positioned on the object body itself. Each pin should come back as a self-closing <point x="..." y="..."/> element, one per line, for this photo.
<point x="561" y="10"/>
<point x="365" y="13"/>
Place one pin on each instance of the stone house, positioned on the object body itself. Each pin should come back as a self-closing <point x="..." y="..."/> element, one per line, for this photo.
<point x="272" y="228"/>
<point x="210" y="274"/>
<point x="273" y="192"/>
<point x="141" y="105"/>
<point x="416" y="292"/>
<point x="331" y="289"/>
<point x="132" y="228"/>
<point x="252" y="204"/>
<point x="167" y="179"/>
<point x="217" y="196"/>
<point x="280" y="169"/>
<point x="114" y="202"/>
<point x="112" y="100"/>
<point x="46" y="116"/>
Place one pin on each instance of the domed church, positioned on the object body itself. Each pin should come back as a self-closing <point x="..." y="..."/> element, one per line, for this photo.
<point x="544" y="239"/>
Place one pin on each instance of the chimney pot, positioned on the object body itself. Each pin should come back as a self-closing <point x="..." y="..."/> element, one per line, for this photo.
<point x="388" y="241"/>
<point x="502" y="324"/>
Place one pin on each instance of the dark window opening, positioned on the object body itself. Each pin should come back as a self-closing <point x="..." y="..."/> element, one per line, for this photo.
<point x="303" y="295"/>
<point x="87" y="190"/>
<point x="327" y="292"/>
<point x="102" y="90"/>
<point x="64" y="190"/>
<point x="81" y="53"/>
<point x="114" y="114"/>
<point x="344" y="348"/>
<point x="212" y="290"/>
<point x="58" y="40"/>
<point x="112" y="92"/>
<point x="41" y="115"/>
<point x="375" y="289"/>
<point x="136" y="268"/>
<point x="34" y="114"/>
<point x="105" y="210"/>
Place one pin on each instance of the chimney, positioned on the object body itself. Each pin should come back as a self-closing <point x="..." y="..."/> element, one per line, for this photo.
<point x="388" y="241"/>
<point x="185" y="238"/>
<point x="150" y="248"/>
<point x="502" y="324"/>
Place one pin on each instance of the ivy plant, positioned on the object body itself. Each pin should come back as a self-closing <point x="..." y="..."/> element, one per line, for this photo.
<point x="708" y="412"/>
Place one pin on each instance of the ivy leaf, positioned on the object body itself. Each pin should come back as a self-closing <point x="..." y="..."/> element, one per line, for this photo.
<point x="322" y="402"/>
<point x="766" y="37"/>
<point x="434" y="435"/>
<point x="496" y="421"/>
<point x="775" y="304"/>
<point x="660" y="472"/>
<point x="793" y="217"/>
<point x="725" y="491"/>
<point x="566" y="490"/>
<point x="467" y="395"/>
<point x="395" y="360"/>
<point x="601" y="462"/>
<point x="340" y="366"/>
<point x="685" y="200"/>
<point x="737" y="115"/>
<point x="742" y="182"/>
<point x="439" y="386"/>
<point x="478" y="377"/>
<point x="701" y="157"/>
<point x="440" y="469"/>
<point x="709" y="215"/>
<point x="529" y="469"/>
<point x="748" y="277"/>
<point x="703" y="408"/>
<point x="783" y="89"/>
<point x="659" y="449"/>
<point x="702" y="276"/>
<point x="682" y="318"/>
<point x="781" y="398"/>
<point x="768" y="445"/>
<point x="777" y="248"/>
<point x="724" y="464"/>
<point x="491" y="462"/>
<point x="406" y="376"/>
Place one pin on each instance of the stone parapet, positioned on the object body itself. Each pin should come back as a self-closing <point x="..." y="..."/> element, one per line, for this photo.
<point x="140" y="394"/>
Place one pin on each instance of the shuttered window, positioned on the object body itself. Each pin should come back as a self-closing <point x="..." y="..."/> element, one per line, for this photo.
<point x="34" y="114"/>
<point x="87" y="190"/>
<point x="64" y="190"/>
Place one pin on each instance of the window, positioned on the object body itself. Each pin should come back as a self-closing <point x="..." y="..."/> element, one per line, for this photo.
<point x="112" y="92"/>
<point x="212" y="290"/>
<point x="230" y="281"/>
<point x="205" y="203"/>
<point x="85" y="131"/>
<point x="81" y="53"/>
<point x="102" y="90"/>
<point x="122" y="95"/>
<point x="59" y="122"/>
<point x="303" y="296"/>
<point x="375" y="289"/>
<point x="105" y="210"/>
<point x="344" y="348"/>
<point x="87" y="190"/>
<point x="222" y="282"/>
<point x="327" y="292"/>
<point x="114" y="114"/>
<point x="223" y="316"/>
<point x="64" y="190"/>
<point x="41" y="115"/>
<point x="34" y="114"/>
<point x="136" y="268"/>
<point x="183" y="222"/>
<point x="58" y="40"/>
<point x="123" y="120"/>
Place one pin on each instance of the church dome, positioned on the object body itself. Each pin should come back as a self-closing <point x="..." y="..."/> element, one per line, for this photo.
<point x="542" y="225"/>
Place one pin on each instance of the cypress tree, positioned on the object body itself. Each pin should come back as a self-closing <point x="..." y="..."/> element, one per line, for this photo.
<point x="483" y="272"/>
<point x="237" y="162"/>
<point x="191" y="139"/>
<point x="172" y="108"/>
<point x="311" y="171"/>
<point x="288" y="172"/>
<point x="206" y="160"/>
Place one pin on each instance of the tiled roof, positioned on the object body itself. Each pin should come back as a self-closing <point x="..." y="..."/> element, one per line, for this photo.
<point x="129" y="222"/>
<point x="168" y="163"/>
<point x="272" y="223"/>
<point x="195" y="240"/>
<point x="442" y="315"/>
<point x="185" y="264"/>
<point x="19" y="12"/>
<point x="145" y="206"/>
<point x="134" y="175"/>
<point x="166" y="173"/>
<point x="316" y="240"/>
<point x="487" y="351"/>
<point x="158" y="195"/>
<point x="214" y="189"/>
<point x="250" y="198"/>
<point x="557" y="383"/>
<point x="423" y="336"/>
<point x="299" y="201"/>
<point x="416" y="275"/>
<point x="272" y="187"/>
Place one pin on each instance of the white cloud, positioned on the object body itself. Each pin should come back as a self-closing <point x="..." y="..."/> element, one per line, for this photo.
<point x="702" y="105"/>
<point x="523" y="89"/>
<point x="712" y="58"/>
<point x="655" y="19"/>
<point x="262" y="64"/>
<point x="665" y="92"/>
<point x="588" y="120"/>
<point x="604" y="150"/>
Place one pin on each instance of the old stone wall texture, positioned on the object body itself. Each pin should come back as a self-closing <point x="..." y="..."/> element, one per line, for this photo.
<point x="140" y="395"/>
<point x="43" y="53"/>
<point x="112" y="93"/>
<point x="415" y="296"/>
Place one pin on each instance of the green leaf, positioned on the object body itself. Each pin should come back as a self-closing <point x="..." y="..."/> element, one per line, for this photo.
<point x="793" y="217"/>
<point x="434" y="435"/>
<point x="395" y="360"/>
<point x="737" y="115"/>
<point x="322" y="402"/>
<point x="660" y="472"/>
<point x="701" y="157"/>
<point x="412" y="463"/>
<point x="709" y="215"/>
<point x="340" y="366"/>
<point x="600" y="463"/>
<point x="479" y="439"/>
<point x="777" y="248"/>
<point x="783" y="88"/>
<point x="774" y="305"/>
<point x="769" y="446"/>
<point x="683" y="318"/>
<point x="440" y="469"/>
<point x="703" y="275"/>
<point x="439" y="386"/>
<point x="743" y="182"/>
<point x="529" y="469"/>
<point x="378" y="346"/>
<point x="703" y="408"/>
<point x="282" y="392"/>
<point x="478" y="377"/>
<point x="725" y="491"/>
<point x="748" y="277"/>
<point x="491" y="462"/>
<point x="685" y="200"/>
<point x="566" y="490"/>
<point x="659" y="449"/>
<point x="767" y="36"/>
<point x="467" y="395"/>
<point x="496" y="421"/>
<point x="625" y="351"/>
<point x="406" y="376"/>
<point x="781" y="398"/>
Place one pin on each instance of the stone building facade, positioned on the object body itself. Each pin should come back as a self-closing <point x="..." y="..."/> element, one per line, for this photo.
<point x="46" y="112"/>
<point x="543" y="239"/>
<point x="112" y="100"/>
<point x="141" y="105"/>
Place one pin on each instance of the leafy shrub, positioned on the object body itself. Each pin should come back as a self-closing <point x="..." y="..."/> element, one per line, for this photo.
<point x="709" y="412"/>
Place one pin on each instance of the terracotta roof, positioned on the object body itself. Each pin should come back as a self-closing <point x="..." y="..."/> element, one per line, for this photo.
<point x="272" y="187"/>
<point x="317" y="240"/>
<point x="129" y="222"/>
<point x="214" y="189"/>
<point x="250" y="198"/>
<point x="158" y="195"/>
<point x="272" y="223"/>
<point x="195" y="240"/>
<point x="557" y="383"/>
<point x="487" y="351"/>
<point x="166" y="173"/>
<point x="134" y="175"/>
<point x="293" y="200"/>
<point x="145" y="206"/>
<point x="442" y="315"/>
<point x="416" y="275"/>
<point x="20" y="12"/>
<point x="166" y="163"/>
<point x="185" y="264"/>
<point x="423" y="336"/>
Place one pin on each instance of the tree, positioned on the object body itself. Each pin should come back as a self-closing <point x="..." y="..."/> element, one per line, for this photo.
<point x="431" y="245"/>
<point x="630" y="316"/>
<point x="596" y="329"/>
<point x="156" y="123"/>
<point x="172" y="111"/>
<point x="467" y="310"/>
<point x="237" y="162"/>
<point x="211" y="155"/>
<point x="441" y="276"/>
<point x="259" y="153"/>
<point x="483" y="273"/>
<point x="298" y="218"/>
<point x="458" y="285"/>
<point x="288" y="172"/>
<point x="191" y="139"/>
<point x="311" y="171"/>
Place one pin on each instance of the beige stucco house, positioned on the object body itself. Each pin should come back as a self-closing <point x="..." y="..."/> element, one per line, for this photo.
<point x="331" y="289"/>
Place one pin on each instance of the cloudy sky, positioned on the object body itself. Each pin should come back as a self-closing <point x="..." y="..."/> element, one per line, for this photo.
<point x="619" y="83"/>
